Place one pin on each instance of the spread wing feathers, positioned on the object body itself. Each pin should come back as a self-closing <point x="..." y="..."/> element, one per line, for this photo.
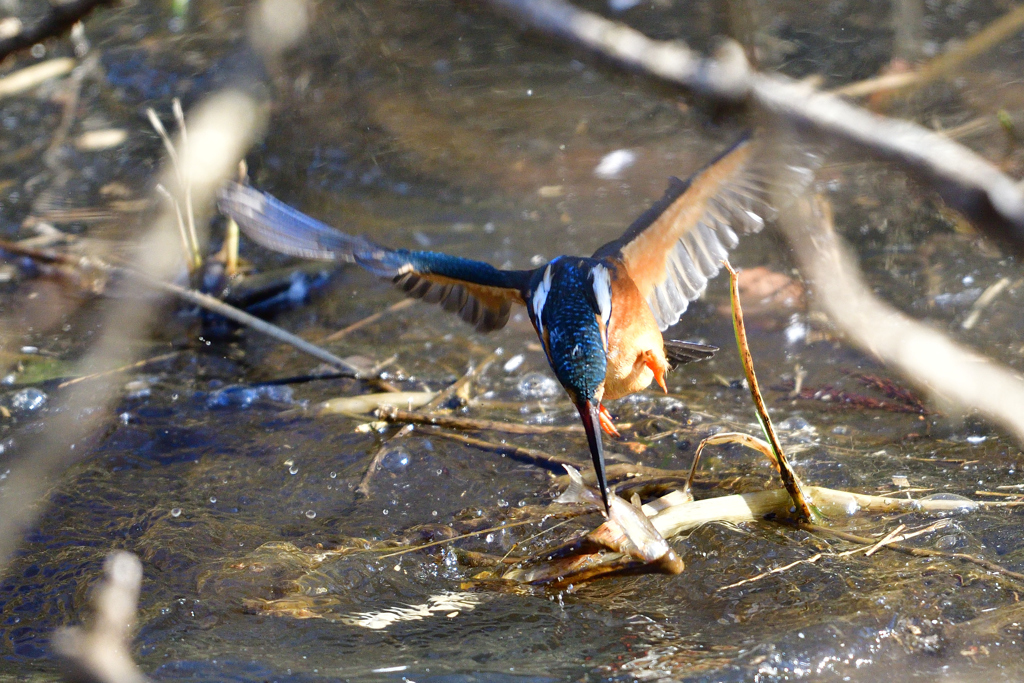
<point x="279" y="227"/>
<point x="682" y="352"/>
<point x="481" y="294"/>
<point x="676" y="246"/>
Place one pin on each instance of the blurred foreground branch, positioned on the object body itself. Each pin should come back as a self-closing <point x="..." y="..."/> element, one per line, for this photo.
<point x="102" y="653"/>
<point x="221" y="129"/>
<point x="950" y="372"/>
<point x="965" y="181"/>
<point x="61" y="17"/>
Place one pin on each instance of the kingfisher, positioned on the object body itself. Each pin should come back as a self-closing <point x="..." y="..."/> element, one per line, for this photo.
<point x="600" y="318"/>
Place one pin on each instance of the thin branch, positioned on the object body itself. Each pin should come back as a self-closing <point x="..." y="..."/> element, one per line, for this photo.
<point x="390" y="414"/>
<point x="789" y="477"/>
<point x="965" y="180"/>
<point x="916" y="552"/>
<point x="443" y="396"/>
<point x="545" y="460"/>
<point x="192" y="296"/>
<point x="777" y="570"/>
<point x="124" y="368"/>
<point x="231" y="313"/>
<point x="368" y="320"/>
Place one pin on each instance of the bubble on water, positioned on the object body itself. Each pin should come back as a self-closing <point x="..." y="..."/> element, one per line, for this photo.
<point x="795" y="424"/>
<point x="310" y="514"/>
<point x="294" y="469"/>
<point x="537" y="385"/>
<point x="395" y="460"/>
<point x="385" y="511"/>
<point x="28" y="400"/>
<point x="175" y="512"/>
<point x="213" y="499"/>
<point x="433" y="513"/>
<point x="334" y="475"/>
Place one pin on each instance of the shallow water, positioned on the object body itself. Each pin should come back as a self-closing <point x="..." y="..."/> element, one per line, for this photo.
<point x="445" y="127"/>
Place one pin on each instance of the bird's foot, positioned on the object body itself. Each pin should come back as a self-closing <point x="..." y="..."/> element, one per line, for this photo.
<point x="659" y="370"/>
<point x="606" y="422"/>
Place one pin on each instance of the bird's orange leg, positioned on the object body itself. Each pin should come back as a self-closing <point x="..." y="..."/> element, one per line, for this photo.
<point x="606" y="422"/>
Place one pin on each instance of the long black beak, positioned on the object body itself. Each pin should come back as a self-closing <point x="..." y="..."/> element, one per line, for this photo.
<point x="592" y="425"/>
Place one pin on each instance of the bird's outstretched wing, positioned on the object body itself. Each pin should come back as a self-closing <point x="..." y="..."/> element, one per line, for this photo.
<point x="678" y="244"/>
<point x="481" y="294"/>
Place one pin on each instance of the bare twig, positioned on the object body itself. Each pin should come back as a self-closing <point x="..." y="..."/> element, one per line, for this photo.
<point x="390" y="414"/>
<point x="192" y="296"/>
<point x="789" y="478"/>
<point x="966" y="181"/>
<point x="894" y="536"/>
<point x="747" y="440"/>
<point x="101" y="653"/>
<point x="1001" y="29"/>
<point x="225" y="123"/>
<point x="545" y="460"/>
<point x="443" y="396"/>
<point x="124" y="368"/>
<point x="471" y="534"/>
<point x="368" y="320"/>
<point x="916" y="552"/>
<point x="364" y="486"/>
<point x="61" y="17"/>
<point x="984" y="301"/>
<point x="231" y="313"/>
<point x="777" y="570"/>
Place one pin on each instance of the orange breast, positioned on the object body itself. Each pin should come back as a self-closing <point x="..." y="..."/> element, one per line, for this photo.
<point x="633" y="336"/>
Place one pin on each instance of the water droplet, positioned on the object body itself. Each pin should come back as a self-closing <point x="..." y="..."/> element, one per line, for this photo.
<point x="514" y="362"/>
<point x="294" y="469"/>
<point x="385" y="511"/>
<point x="175" y="512"/>
<point x="334" y="475"/>
<point x="310" y="514"/>
<point x="213" y="499"/>
<point x="28" y="400"/>
<point x="433" y="513"/>
<point x="395" y="460"/>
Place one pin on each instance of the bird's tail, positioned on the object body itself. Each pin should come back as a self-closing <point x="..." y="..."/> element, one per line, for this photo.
<point x="682" y="352"/>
